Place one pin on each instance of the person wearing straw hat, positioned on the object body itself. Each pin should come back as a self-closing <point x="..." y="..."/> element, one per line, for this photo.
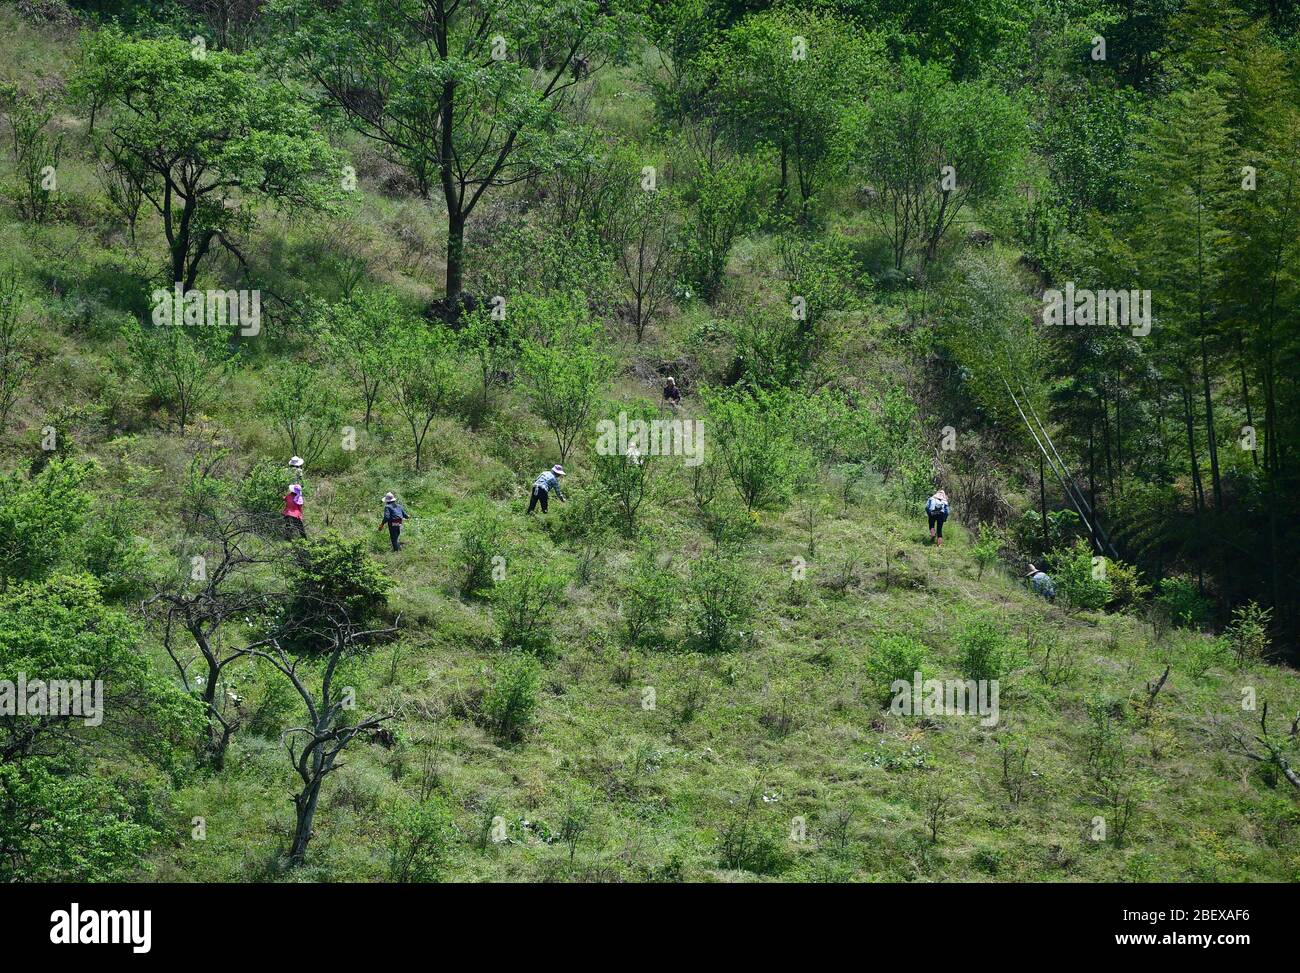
<point x="1041" y="582"/>
<point x="936" y="510"/>
<point x="544" y="486"/>
<point x="292" y="512"/>
<point x="394" y="515"/>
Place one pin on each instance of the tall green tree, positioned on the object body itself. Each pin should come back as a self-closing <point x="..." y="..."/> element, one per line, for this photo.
<point x="354" y="331"/>
<point x="785" y="78"/>
<point x="564" y="382"/>
<point x="1181" y="179"/>
<point x="68" y="811"/>
<point x="304" y="404"/>
<point x="206" y="137"/>
<point x="468" y="97"/>
<point x="929" y="149"/>
<point x="182" y="368"/>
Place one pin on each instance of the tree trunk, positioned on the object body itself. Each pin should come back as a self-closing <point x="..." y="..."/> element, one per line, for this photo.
<point x="1198" y="491"/>
<point x="1042" y="499"/>
<point x="305" y="803"/>
<point x="455" y="255"/>
<point x="785" y="176"/>
<point x="1245" y="396"/>
<point x="932" y="246"/>
<point x="1092" y="482"/>
<point x="1209" y="429"/>
<point x="1105" y="438"/>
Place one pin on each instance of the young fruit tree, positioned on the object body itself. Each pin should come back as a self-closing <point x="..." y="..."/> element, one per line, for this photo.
<point x="564" y="382"/>
<point x="421" y="379"/>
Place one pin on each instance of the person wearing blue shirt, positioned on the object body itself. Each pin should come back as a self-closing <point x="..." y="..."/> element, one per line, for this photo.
<point x="544" y="486"/>
<point x="1042" y="583"/>
<point x="394" y="514"/>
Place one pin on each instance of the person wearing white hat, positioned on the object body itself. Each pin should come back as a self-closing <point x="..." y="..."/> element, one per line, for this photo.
<point x="394" y="514"/>
<point x="295" y="469"/>
<point x="936" y="510"/>
<point x="544" y="486"/>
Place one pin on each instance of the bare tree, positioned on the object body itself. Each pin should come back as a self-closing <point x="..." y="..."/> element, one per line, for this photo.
<point x="15" y="362"/>
<point x="224" y="592"/>
<point x="234" y="23"/>
<point x="647" y="255"/>
<point x="314" y="748"/>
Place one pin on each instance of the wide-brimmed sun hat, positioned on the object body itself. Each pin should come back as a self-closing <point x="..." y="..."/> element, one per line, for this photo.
<point x="389" y="497"/>
<point x="558" y="470"/>
<point x="295" y="461"/>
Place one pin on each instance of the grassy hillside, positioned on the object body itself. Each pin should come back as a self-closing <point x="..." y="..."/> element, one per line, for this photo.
<point x="786" y="719"/>
<point x="775" y="760"/>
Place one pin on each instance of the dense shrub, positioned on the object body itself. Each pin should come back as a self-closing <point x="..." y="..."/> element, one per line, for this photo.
<point x="262" y="488"/>
<point x="893" y="657"/>
<point x="525" y="604"/>
<point x="983" y="651"/>
<point x="1063" y="527"/>
<point x="647" y="599"/>
<point x="986" y="548"/>
<point x="1179" y="602"/>
<point x="418" y="841"/>
<point x="481" y="540"/>
<point x="627" y="479"/>
<point x="1126" y="588"/>
<point x="1246" y="637"/>
<point x="586" y="524"/>
<point x="721" y="603"/>
<point x="511" y="698"/>
<point x="1201" y="654"/>
<point x="756" y="433"/>
<point x="1085" y="586"/>
<point x="746" y="841"/>
<point x="113" y="553"/>
<point x="333" y="579"/>
<point x="40" y="517"/>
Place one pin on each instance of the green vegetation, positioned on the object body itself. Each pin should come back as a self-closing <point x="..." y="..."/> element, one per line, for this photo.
<point x="480" y="238"/>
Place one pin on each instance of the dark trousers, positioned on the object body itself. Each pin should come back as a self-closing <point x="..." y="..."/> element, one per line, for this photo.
<point x="539" y="496"/>
<point x="936" y="523"/>
<point x="293" y="525"/>
<point x="394" y="532"/>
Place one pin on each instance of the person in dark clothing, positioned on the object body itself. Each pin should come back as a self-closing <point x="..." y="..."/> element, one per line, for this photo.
<point x="936" y="511"/>
<point x="544" y="486"/>
<point x="394" y="515"/>
<point x="672" y="394"/>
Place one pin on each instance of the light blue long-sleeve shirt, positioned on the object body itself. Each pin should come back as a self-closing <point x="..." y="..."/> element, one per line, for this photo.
<point x="549" y="482"/>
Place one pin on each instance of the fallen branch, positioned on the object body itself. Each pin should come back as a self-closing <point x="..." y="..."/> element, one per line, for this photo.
<point x="1273" y="752"/>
